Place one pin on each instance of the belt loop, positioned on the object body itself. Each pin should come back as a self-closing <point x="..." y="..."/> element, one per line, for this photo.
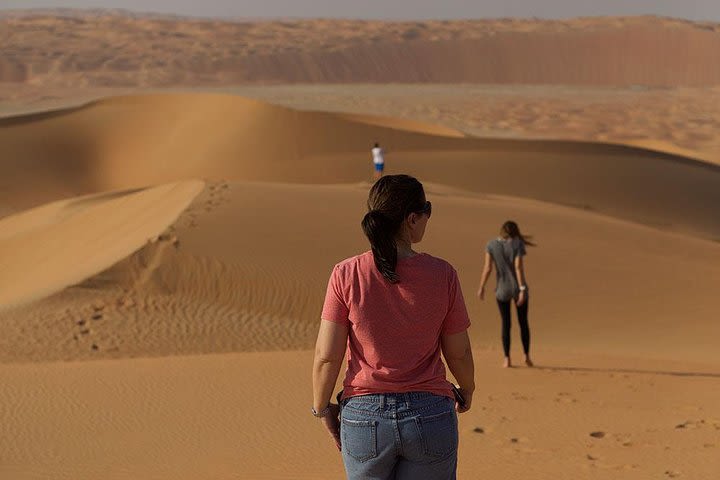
<point x="382" y="401"/>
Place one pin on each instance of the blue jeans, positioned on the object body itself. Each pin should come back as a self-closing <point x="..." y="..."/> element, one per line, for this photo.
<point x="399" y="436"/>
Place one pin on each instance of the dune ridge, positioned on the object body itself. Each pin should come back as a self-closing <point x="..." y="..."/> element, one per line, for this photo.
<point x="133" y="141"/>
<point x="46" y="249"/>
<point x="625" y="115"/>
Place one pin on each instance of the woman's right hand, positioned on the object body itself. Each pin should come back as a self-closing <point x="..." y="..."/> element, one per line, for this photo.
<point x="331" y="421"/>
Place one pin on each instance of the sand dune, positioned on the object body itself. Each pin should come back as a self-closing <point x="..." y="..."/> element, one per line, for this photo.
<point x="637" y="56"/>
<point x="253" y="259"/>
<point x="684" y="120"/>
<point x="624" y="330"/>
<point x="129" y="142"/>
<point x="88" y="49"/>
<point x="49" y="248"/>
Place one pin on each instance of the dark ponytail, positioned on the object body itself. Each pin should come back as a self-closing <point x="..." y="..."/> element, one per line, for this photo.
<point x="381" y="233"/>
<point x="390" y="201"/>
<point x="510" y="229"/>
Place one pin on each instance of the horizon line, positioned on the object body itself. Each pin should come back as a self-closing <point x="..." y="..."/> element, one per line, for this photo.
<point x="94" y="11"/>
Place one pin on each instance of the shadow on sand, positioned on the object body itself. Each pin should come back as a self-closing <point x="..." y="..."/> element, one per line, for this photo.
<point x="628" y="370"/>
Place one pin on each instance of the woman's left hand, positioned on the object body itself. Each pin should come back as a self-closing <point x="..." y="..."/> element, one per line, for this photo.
<point x="331" y="421"/>
<point x="467" y="396"/>
<point x="521" y="298"/>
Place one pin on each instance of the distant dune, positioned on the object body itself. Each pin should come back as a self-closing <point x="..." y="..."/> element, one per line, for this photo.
<point x="101" y="50"/>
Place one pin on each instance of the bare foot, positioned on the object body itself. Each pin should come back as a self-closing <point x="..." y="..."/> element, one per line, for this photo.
<point x="529" y="362"/>
<point x="507" y="363"/>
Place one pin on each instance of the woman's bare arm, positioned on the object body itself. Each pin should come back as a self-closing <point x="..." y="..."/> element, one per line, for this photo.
<point x="329" y="356"/>
<point x="520" y="274"/>
<point x="458" y="355"/>
<point x="487" y="270"/>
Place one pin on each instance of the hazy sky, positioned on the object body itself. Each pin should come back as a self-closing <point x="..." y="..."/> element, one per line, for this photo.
<point x="397" y="9"/>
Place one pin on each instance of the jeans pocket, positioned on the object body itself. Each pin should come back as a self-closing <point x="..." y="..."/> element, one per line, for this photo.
<point x="359" y="439"/>
<point x="438" y="433"/>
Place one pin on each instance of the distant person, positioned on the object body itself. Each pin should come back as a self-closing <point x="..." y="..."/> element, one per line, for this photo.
<point x="395" y="310"/>
<point x="378" y="161"/>
<point x="506" y="253"/>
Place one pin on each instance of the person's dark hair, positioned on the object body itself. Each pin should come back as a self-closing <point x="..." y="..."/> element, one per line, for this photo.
<point x="376" y="145"/>
<point x="510" y="229"/>
<point x="392" y="198"/>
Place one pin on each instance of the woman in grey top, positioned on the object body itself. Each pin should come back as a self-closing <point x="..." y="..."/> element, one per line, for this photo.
<point x="506" y="254"/>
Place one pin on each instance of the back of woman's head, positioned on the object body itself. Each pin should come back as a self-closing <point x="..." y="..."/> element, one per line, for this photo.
<point x="392" y="198"/>
<point x="510" y="229"/>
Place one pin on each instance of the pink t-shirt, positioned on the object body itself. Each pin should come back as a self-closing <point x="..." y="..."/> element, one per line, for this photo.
<point x="395" y="329"/>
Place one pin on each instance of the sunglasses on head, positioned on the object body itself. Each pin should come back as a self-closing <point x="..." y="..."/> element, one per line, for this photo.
<point x="427" y="209"/>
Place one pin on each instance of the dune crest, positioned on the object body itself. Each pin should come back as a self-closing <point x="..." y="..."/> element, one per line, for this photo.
<point x="134" y="141"/>
<point x="49" y="248"/>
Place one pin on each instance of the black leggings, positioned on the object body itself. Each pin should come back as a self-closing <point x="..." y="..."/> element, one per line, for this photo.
<point x="522" y="313"/>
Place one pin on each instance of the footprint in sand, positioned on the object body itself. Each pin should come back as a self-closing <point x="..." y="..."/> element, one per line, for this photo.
<point x="672" y="473"/>
<point x="519" y="396"/>
<point x="565" y="397"/>
<point x="691" y="424"/>
<point x="170" y="238"/>
<point x="519" y="440"/>
<point x="623" y="439"/>
<point x="598" y="463"/>
<point x="125" y="302"/>
<point x="97" y="316"/>
<point x="215" y="196"/>
<point x="597" y="434"/>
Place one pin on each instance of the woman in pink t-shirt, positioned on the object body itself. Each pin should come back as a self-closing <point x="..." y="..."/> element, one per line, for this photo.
<point x="394" y="310"/>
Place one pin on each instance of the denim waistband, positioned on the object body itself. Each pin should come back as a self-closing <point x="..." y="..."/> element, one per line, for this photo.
<point x="385" y="398"/>
<point x="394" y="405"/>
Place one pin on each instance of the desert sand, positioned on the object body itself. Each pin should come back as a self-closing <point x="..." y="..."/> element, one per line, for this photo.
<point x="102" y="49"/>
<point x="164" y="254"/>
